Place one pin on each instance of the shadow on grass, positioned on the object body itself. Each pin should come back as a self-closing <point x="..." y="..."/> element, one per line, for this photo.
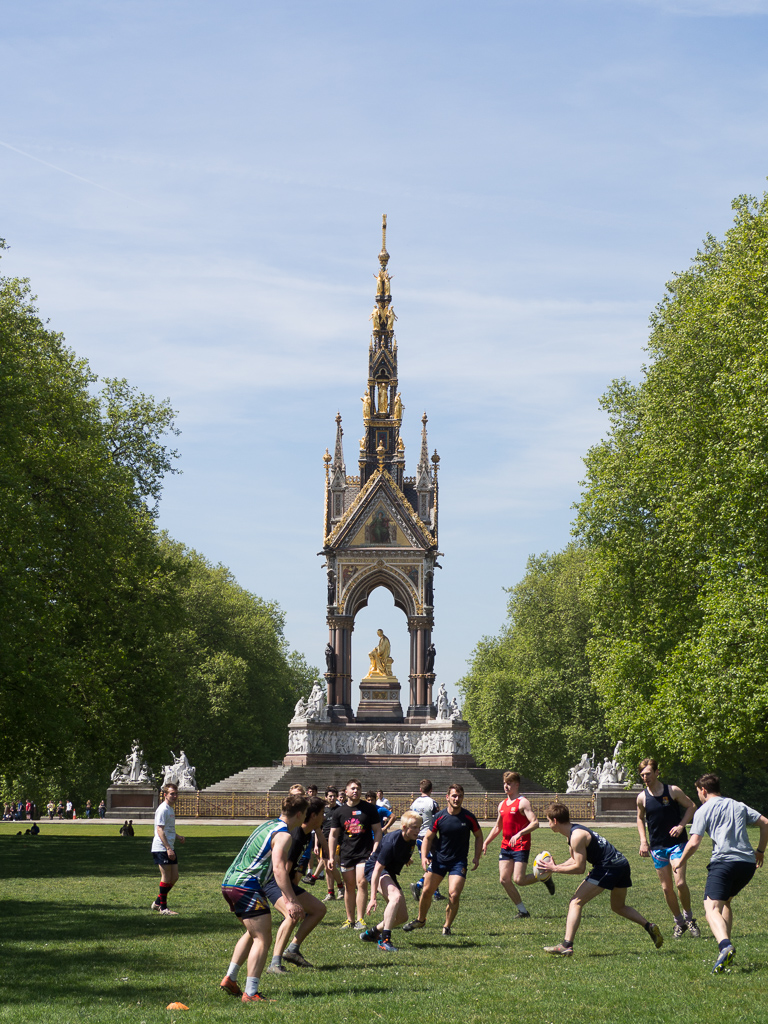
<point x="52" y="856"/>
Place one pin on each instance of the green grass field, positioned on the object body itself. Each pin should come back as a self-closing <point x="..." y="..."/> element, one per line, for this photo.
<point x="79" y="944"/>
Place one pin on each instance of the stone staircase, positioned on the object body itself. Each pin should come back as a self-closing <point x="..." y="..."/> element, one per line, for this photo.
<point x="251" y="780"/>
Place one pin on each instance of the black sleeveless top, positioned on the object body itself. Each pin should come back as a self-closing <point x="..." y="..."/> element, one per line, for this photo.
<point x="662" y="813"/>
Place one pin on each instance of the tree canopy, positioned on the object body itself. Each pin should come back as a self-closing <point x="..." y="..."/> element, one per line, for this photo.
<point x="675" y="511"/>
<point x="528" y="695"/>
<point x="110" y="630"/>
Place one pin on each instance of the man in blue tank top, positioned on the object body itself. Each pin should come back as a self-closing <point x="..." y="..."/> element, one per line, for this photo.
<point x="610" y="870"/>
<point x="666" y="810"/>
<point x="733" y="860"/>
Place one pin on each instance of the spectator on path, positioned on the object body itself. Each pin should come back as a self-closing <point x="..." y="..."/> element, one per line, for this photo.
<point x="733" y="860"/>
<point x="87" y="808"/>
<point x="51" y="808"/>
<point x="70" y="809"/>
<point x="102" y="809"/>
<point x="60" y="810"/>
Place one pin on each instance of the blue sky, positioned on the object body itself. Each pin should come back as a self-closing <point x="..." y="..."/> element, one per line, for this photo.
<point x="196" y="191"/>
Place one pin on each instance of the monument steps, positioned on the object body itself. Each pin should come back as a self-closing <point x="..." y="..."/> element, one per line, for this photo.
<point x="390" y="779"/>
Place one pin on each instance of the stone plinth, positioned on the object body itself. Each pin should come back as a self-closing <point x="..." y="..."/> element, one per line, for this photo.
<point x="613" y="801"/>
<point x="435" y="742"/>
<point x="132" y="800"/>
<point x="380" y="699"/>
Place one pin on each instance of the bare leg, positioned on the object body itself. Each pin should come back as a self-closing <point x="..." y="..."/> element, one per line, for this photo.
<point x="668" y="888"/>
<point x="585" y="892"/>
<point x="520" y="876"/>
<point x="242" y="948"/>
<point x="260" y="931"/>
<point x="455" y="885"/>
<point x="362" y="891"/>
<point x="396" y="911"/>
<point x="349" y="893"/>
<point x="505" y="878"/>
<point x="619" y="906"/>
<point x="719" y="918"/>
<point x="432" y="881"/>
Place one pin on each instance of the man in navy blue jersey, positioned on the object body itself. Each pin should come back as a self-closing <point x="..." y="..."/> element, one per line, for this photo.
<point x="381" y="871"/>
<point x="610" y="870"/>
<point x="666" y="810"/>
<point x="448" y="843"/>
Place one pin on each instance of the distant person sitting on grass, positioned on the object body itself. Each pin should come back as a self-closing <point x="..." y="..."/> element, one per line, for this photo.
<point x="35" y="829"/>
<point x="263" y="859"/>
<point x="610" y="870"/>
<point x="163" y="847"/>
<point x="733" y="860"/>
<point x="381" y="871"/>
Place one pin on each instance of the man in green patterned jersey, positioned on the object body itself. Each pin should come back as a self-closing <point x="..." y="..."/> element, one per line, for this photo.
<point x="262" y="859"/>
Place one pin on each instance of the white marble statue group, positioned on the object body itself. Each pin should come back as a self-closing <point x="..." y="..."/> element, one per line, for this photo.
<point x="447" y="709"/>
<point x="134" y="769"/>
<point x="589" y="775"/>
<point x="314" y="708"/>
<point x="360" y="741"/>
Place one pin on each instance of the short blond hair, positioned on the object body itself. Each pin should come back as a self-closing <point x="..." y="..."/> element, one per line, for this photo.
<point x="411" y="818"/>
<point x="297" y="788"/>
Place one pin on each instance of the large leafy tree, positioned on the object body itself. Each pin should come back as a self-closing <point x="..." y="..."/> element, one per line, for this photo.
<point x="528" y="695"/>
<point x="675" y="511"/>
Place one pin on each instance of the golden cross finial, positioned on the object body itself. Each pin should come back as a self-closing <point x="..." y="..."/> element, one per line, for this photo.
<point x="384" y="231"/>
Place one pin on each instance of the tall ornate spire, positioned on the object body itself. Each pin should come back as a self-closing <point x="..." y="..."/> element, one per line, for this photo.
<point x="338" y="454"/>
<point x="424" y="460"/>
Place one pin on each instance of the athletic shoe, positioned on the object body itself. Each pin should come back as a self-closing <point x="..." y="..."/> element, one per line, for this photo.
<point x="340" y="894"/>
<point x="725" y="959"/>
<point x="446" y="929"/>
<point x="360" y="925"/>
<point x="308" y="880"/>
<point x="258" y="998"/>
<point x="413" y="925"/>
<point x="169" y="913"/>
<point x="348" y="924"/>
<point x="438" y="895"/>
<point x="549" y="885"/>
<point x="329" y="898"/>
<point x="297" y="958"/>
<point x="679" y="930"/>
<point x="559" y="950"/>
<point x="230" y="986"/>
<point x="655" y="932"/>
<point x="520" y="915"/>
<point x="386" y="946"/>
<point x="155" y="906"/>
<point x="277" y="969"/>
<point x="416" y="890"/>
<point x="693" y="929"/>
<point x="370" y="935"/>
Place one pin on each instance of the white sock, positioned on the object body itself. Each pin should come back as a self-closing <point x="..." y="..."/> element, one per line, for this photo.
<point x="251" y="986"/>
<point x="232" y="971"/>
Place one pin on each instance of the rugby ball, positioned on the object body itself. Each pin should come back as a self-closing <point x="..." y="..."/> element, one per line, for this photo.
<point x="540" y="871"/>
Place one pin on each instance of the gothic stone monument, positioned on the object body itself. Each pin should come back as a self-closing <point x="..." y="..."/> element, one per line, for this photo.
<point x="380" y="531"/>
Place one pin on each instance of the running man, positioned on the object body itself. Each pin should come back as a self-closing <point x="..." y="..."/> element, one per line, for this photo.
<point x="163" y="848"/>
<point x="262" y="860"/>
<point x="516" y="822"/>
<point x="610" y="870"/>
<point x="381" y="871"/>
<point x="666" y="810"/>
<point x="448" y="842"/>
<point x="733" y="860"/>
<point x="355" y="825"/>
<point x="302" y="841"/>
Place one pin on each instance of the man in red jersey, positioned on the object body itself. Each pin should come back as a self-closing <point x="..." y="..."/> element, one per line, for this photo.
<point x="516" y="821"/>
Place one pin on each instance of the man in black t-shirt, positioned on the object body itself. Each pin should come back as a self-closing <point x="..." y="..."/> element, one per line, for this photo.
<point x="448" y="842"/>
<point x="355" y="825"/>
<point x="331" y="877"/>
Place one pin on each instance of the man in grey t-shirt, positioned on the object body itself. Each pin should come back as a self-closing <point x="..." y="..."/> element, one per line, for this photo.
<point x="733" y="859"/>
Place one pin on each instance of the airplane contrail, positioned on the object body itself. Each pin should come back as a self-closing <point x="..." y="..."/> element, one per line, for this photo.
<point x="71" y="174"/>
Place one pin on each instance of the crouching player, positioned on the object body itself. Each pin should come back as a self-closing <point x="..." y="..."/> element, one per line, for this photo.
<point x="381" y="871"/>
<point x="302" y="841"/>
<point x="262" y="859"/>
<point x="610" y="870"/>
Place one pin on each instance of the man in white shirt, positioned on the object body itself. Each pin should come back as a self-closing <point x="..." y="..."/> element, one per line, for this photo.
<point x="163" y="843"/>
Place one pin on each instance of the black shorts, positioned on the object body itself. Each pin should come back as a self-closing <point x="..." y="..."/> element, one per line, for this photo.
<point x="518" y="856"/>
<point x="350" y="863"/>
<point x="612" y="876"/>
<point x="275" y="893"/>
<point x="162" y="858"/>
<point x="245" y="902"/>
<point x="726" y="878"/>
<point x="369" y="869"/>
